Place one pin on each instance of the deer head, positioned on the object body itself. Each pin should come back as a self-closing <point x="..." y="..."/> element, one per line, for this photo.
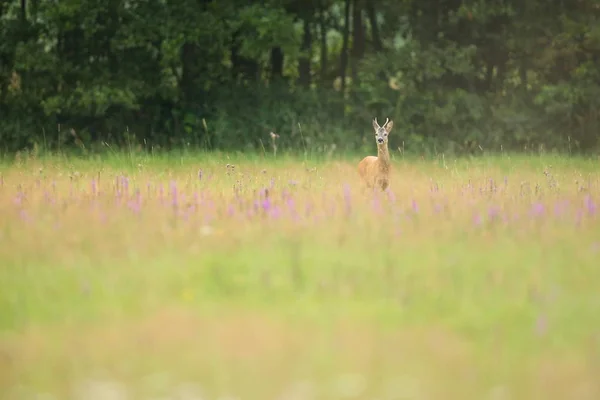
<point x="382" y="132"/>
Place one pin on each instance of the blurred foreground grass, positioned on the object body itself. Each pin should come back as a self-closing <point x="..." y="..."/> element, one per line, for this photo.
<point x="165" y="278"/>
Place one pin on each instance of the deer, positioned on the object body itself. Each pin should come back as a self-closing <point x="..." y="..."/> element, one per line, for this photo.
<point x="375" y="171"/>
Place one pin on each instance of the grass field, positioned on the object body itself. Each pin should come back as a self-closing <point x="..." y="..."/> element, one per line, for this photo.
<point x="167" y="277"/>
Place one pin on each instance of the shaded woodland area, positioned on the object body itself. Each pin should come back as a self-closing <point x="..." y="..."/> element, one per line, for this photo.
<point x="455" y="75"/>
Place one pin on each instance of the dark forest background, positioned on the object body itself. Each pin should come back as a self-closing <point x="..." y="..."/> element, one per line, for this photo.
<point x="454" y="75"/>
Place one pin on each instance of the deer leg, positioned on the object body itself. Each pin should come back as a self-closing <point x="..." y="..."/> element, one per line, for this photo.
<point x="384" y="184"/>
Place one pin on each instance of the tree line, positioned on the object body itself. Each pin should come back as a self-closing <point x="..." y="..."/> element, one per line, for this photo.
<point x="454" y="75"/>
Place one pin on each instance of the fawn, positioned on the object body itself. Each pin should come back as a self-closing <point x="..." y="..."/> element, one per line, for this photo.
<point x="375" y="171"/>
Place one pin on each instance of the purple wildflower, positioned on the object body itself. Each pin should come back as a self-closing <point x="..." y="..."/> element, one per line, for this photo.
<point x="590" y="205"/>
<point x="275" y="212"/>
<point x="18" y="199"/>
<point x="347" y="198"/>
<point x="493" y="213"/>
<point x="391" y="196"/>
<point x="133" y="206"/>
<point x="537" y="210"/>
<point x="174" y="194"/>
<point x="118" y="188"/>
<point x="24" y="216"/>
<point x="136" y="204"/>
<point x="578" y="217"/>
<point x="415" y="206"/>
<point x="125" y="184"/>
<point x="266" y="204"/>
<point x="291" y="203"/>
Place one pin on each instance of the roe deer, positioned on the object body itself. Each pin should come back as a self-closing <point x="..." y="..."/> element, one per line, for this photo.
<point x="375" y="171"/>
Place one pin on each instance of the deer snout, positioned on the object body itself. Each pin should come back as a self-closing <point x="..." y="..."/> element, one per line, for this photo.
<point x="379" y="140"/>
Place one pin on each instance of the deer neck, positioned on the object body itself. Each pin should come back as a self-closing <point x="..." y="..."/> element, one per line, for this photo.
<point x="383" y="157"/>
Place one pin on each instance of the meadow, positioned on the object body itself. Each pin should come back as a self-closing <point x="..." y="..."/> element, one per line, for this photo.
<point x="236" y="277"/>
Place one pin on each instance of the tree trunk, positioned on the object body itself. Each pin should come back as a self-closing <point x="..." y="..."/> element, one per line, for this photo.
<point x="191" y="59"/>
<point x="277" y="59"/>
<point x="376" y="36"/>
<point x="323" y="37"/>
<point x="242" y="67"/>
<point x="344" y="55"/>
<point x="358" y="39"/>
<point x="304" y="61"/>
<point x="23" y="11"/>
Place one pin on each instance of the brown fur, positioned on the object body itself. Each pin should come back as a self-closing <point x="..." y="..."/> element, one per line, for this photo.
<point x="375" y="171"/>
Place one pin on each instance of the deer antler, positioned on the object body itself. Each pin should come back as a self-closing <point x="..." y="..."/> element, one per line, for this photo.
<point x="375" y="120"/>
<point x="386" y="122"/>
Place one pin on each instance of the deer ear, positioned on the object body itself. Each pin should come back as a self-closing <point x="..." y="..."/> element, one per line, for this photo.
<point x="375" y="124"/>
<point x="389" y="126"/>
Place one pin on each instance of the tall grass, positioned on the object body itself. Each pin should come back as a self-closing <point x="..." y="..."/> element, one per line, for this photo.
<point x="260" y="278"/>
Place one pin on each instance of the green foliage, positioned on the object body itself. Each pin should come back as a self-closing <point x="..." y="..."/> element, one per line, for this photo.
<point x="222" y="75"/>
